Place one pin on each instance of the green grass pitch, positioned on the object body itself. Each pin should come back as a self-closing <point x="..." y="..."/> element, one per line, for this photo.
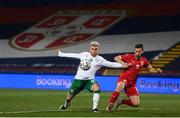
<point x="45" y="103"/>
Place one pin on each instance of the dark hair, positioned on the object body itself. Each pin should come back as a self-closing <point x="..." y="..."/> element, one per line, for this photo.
<point x="139" y="46"/>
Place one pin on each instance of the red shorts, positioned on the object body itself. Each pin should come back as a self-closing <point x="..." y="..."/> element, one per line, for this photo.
<point x="130" y="86"/>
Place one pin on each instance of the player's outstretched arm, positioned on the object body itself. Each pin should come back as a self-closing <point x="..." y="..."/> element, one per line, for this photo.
<point x="153" y="70"/>
<point x="117" y="59"/>
<point x="70" y="55"/>
<point x="59" y="52"/>
<point x="113" y="64"/>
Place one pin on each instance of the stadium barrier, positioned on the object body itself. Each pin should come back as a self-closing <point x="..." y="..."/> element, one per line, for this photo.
<point x="107" y="83"/>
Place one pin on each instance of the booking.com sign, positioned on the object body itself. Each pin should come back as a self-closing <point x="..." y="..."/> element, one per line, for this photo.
<point x="107" y="83"/>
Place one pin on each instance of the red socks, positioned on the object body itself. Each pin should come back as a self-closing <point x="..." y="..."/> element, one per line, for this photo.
<point x="114" y="97"/>
<point x="127" y="102"/>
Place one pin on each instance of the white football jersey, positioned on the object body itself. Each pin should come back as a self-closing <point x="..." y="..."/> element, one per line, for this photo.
<point x="89" y="64"/>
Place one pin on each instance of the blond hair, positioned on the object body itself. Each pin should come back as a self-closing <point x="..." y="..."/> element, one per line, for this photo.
<point x="94" y="43"/>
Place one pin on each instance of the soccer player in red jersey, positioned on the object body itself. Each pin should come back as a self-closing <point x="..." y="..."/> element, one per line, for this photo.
<point x="128" y="78"/>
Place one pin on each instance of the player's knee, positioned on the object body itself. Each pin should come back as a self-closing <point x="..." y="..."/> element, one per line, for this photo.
<point x="136" y="103"/>
<point x="71" y="93"/>
<point x="96" y="88"/>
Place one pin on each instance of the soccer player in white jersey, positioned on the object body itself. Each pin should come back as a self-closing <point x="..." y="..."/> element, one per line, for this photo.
<point x="90" y="62"/>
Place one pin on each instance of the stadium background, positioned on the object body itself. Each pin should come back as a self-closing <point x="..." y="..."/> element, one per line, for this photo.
<point x="152" y="23"/>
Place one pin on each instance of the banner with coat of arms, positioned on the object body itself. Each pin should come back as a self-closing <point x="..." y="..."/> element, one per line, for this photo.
<point x="67" y="27"/>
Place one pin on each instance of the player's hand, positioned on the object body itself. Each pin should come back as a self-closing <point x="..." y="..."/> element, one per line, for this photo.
<point x="125" y="65"/>
<point x="129" y="64"/>
<point x="159" y="70"/>
<point x="59" y="52"/>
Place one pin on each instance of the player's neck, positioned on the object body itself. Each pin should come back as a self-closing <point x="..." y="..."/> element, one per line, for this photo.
<point x="93" y="55"/>
<point x="138" y="58"/>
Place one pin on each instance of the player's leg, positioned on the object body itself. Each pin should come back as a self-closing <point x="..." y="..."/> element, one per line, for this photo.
<point x="134" y="101"/>
<point x="93" y="86"/>
<point x="120" y="86"/>
<point x="133" y="98"/>
<point x="96" y="89"/>
<point x="75" y="88"/>
<point x="67" y="101"/>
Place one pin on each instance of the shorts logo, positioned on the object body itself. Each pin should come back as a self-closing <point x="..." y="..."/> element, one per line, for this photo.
<point x="92" y="81"/>
<point x="67" y="28"/>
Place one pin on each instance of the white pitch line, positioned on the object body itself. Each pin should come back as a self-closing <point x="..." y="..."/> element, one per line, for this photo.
<point x="14" y="112"/>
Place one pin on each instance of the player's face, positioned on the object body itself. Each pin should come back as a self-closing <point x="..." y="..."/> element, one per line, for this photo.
<point x="94" y="50"/>
<point x="138" y="52"/>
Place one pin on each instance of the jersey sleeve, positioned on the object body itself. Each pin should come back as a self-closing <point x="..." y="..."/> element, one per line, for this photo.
<point x="107" y="63"/>
<point x="146" y="63"/>
<point x="70" y="55"/>
<point x="124" y="57"/>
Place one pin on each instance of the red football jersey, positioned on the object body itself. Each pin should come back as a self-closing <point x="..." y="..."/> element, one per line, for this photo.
<point x="136" y="65"/>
